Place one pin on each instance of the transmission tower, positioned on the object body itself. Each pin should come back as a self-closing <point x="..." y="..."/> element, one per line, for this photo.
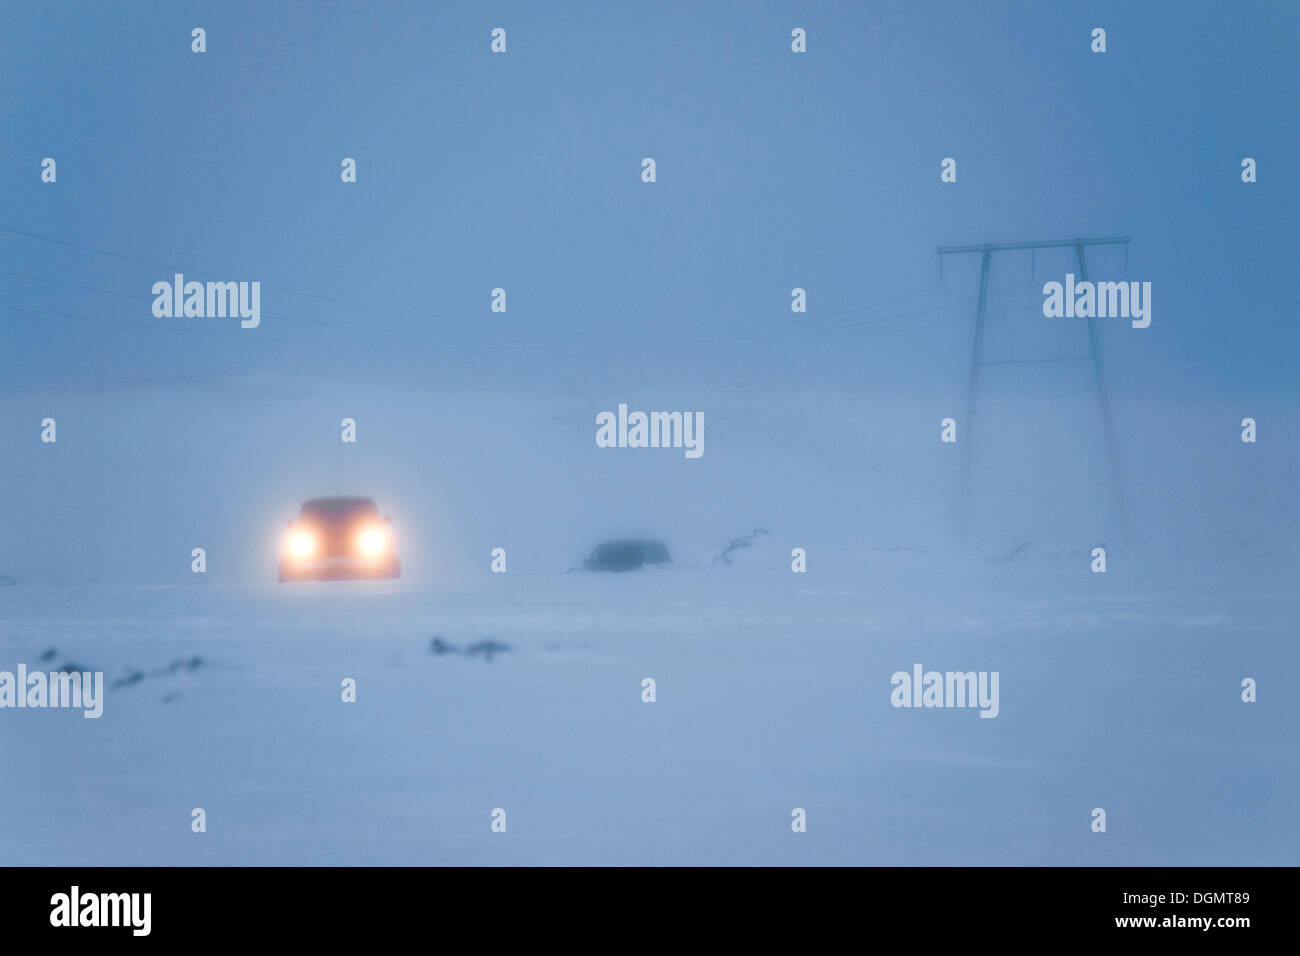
<point x="977" y="361"/>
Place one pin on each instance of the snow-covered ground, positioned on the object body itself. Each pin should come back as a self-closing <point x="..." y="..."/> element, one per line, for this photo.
<point x="1119" y="691"/>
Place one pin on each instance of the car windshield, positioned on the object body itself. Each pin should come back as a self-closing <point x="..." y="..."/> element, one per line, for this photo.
<point x="338" y="509"/>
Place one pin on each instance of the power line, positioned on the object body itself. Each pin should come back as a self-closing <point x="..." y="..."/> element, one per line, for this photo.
<point x="791" y="330"/>
<point x="782" y="329"/>
<point x="210" y="275"/>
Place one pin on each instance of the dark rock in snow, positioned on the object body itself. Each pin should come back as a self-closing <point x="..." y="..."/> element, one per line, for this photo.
<point x="132" y="677"/>
<point x="627" y="555"/>
<point x="746" y="542"/>
<point x="192" y="663"/>
<point x="487" y="649"/>
<point x="439" y="646"/>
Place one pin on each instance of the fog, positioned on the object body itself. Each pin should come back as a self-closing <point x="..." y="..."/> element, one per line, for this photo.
<point x="139" y="477"/>
<point x="501" y="273"/>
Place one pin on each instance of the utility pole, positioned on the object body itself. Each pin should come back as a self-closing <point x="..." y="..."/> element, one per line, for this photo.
<point x="986" y="251"/>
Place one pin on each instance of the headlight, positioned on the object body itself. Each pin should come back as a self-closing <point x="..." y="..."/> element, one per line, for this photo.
<point x="302" y="544"/>
<point x="372" y="541"/>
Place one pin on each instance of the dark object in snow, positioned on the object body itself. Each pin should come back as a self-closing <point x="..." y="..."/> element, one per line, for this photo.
<point x="132" y="677"/>
<point x="48" y="655"/>
<point x="627" y="555"/>
<point x="194" y="663"/>
<point x="484" y="648"/>
<point x="746" y="542"/>
<point x="487" y="649"/>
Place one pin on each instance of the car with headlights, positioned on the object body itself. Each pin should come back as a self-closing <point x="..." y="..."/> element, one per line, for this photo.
<point x="335" y="538"/>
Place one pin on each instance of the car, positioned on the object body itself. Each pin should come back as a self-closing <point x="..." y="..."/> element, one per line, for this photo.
<point x="627" y="555"/>
<point x="335" y="538"/>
